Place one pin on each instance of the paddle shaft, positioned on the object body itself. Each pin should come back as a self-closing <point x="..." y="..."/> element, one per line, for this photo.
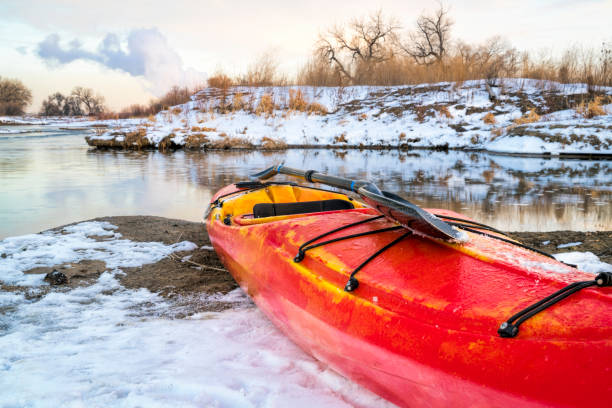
<point x="390" y="205"/>
<point x="313" y="177"/>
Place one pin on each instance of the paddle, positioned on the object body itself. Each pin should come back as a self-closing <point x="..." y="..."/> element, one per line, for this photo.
<point x="390" y="205"/>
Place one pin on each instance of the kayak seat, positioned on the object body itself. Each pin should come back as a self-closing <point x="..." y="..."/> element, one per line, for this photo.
<point x="274" y="209"/>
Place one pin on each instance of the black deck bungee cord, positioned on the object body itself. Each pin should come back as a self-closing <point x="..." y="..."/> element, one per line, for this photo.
<point x="510" y="328"/>
<point x="302" y="251"/>
<point x="310" y="241"/>
<point x="353" y="283"/>
<point x="507" y="329"/>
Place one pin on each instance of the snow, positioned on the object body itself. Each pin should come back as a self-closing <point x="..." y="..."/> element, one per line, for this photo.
<point x="376" y="115"/>
<point x="73" y="244"/>
<point x="105" y="345"/>
<point x="586" y="261"/>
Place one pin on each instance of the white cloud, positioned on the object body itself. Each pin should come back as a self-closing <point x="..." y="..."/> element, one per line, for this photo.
<point x="148" y="54"/>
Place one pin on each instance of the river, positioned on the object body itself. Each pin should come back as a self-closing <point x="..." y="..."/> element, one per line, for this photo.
<point x="50" y="177"/>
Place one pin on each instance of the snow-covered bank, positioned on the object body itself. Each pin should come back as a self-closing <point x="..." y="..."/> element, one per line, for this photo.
<point x="470" y="115"/>
<point x="105" y="345"/>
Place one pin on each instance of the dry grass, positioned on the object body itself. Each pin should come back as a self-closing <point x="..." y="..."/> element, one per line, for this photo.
<point x="341" y="138"/>
<point x="266" y="105"/>
<point x="220" y="81"/>
<point x="196" y="141"/>
<point x="238" y="102"/>
<point x="497" y="132"/>
<point x="229" y="142"/>
<point x="489" y="119"/>
<point x="269" y="143"/>
<point x="177" y="110"/>
<point x="297" y="102"/>
<point x="591" y="109"/>
<point x="317" y="109"/>
<point x="202" y="129"/>
<point x="444" y="112"/>
<point x="530" y="117"/>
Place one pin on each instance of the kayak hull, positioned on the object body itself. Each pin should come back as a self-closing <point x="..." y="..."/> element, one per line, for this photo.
<point x="421" y="328"/>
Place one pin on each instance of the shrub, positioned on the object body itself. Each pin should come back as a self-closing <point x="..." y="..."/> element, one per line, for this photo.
<point x="266" y="105"/>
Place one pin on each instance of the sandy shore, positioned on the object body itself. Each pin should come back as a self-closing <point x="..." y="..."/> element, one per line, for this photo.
<point x="184" y="276"/>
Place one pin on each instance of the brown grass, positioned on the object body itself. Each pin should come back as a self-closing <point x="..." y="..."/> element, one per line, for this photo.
<point x="443" y="111"/>
<point x="220" y="81"/>
<point x="497" y="132"/>
<point x="269" y="143"/>
<point x="530" y="117"/>
<point x="228" y="142"/>
<point x="489" y="119"/>
<point x="266" y="105"/>
<point x="340" y="138"/>
<point x="297" y="102"/>
<point x="177" y="110"/>
<point x="196" y="141"/>
<point x="592" y="109"/>
<point x="238" y="102"/>
<point x="317" y="109"/>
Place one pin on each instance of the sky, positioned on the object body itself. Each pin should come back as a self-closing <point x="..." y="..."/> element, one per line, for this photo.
<point x="133" y="50"/>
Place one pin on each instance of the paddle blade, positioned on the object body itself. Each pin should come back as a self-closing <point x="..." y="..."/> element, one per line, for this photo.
<point x="409" y="215"/>
<point x="265" y="174"/>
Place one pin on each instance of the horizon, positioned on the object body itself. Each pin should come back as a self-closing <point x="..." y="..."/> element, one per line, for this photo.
<point x="130" y="53"/>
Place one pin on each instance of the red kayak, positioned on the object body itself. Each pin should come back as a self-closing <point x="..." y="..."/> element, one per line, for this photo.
<point x="417" y="320"/>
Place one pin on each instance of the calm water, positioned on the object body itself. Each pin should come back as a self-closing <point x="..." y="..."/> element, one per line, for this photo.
<point x="49" y="177"/>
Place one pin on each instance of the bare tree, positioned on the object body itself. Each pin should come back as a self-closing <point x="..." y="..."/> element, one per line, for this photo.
<point x="14" y="97"/>
<point x="353" y="52"/>
<point x="429" y="42"/>
<point x="93" y="104"/>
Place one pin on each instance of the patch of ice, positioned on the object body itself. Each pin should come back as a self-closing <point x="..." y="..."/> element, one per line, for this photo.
<point x="569" y="244"/>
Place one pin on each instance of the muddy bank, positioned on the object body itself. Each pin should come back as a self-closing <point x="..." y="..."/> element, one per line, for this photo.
<point x="184" y="276"/>
<point x="130" y="142"/>
<point x="598" y="242"/>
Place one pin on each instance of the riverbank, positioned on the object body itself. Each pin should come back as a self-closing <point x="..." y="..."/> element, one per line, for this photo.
<point x="125" y="321"/>
<point x="509" y="116"/>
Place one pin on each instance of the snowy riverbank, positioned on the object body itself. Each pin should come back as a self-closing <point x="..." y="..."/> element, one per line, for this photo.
<point x="516" y="116"/>
<point x="146" y="316"/>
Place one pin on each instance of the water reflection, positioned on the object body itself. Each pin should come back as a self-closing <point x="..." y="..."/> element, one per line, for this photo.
<point x="53" y="179"/>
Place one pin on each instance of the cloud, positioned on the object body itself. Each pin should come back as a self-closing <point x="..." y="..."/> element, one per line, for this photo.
<point x="23" y="50"/>
<point x="148" y="54"/>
